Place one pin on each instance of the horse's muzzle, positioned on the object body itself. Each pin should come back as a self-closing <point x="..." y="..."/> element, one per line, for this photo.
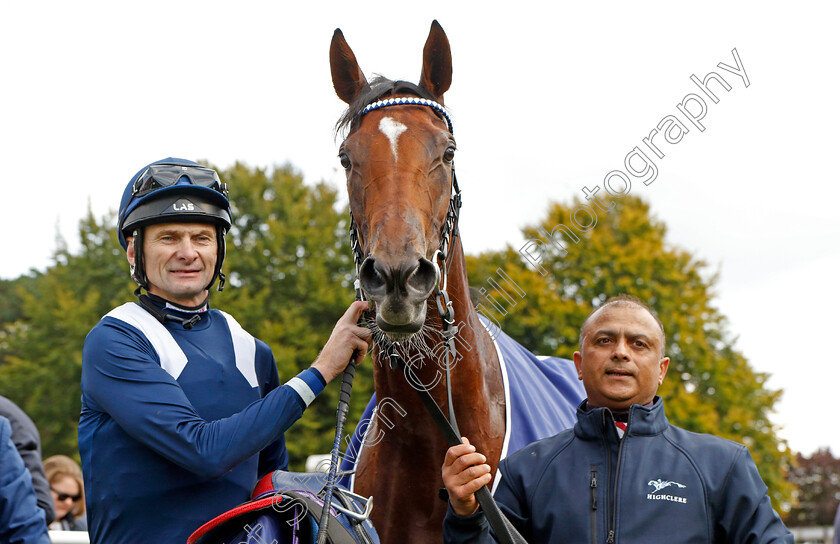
<point x="400" y="291"/>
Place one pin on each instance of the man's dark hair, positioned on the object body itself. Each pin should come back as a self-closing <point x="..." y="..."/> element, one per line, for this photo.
<point x="624" y="300"/>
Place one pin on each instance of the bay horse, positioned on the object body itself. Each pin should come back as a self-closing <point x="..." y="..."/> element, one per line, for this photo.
<point x="398" y="154"/>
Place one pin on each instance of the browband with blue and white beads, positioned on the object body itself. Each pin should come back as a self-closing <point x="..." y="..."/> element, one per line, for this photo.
<point x="410" y="100"/>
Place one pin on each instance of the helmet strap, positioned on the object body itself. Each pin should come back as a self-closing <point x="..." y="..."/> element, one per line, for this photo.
<point x="220" y="258"/>
<point x="138" y="271"/>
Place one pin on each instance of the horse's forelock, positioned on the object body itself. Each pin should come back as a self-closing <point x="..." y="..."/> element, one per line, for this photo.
<point x="378" y="89"/>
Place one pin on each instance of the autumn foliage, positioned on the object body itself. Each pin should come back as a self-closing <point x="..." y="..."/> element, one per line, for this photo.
<point x="710" y="386"/>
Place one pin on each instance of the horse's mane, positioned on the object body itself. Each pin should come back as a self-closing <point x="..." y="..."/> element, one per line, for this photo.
<point x="377" y="89"/>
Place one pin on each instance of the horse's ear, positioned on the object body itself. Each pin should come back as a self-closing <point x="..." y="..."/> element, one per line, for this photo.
<point x="437" y="63"/>
<point x="348" y="79"/>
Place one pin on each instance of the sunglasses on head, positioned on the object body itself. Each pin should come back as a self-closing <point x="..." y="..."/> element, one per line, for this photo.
<point x="64" y="496"/>
<point x="165" y="175"/>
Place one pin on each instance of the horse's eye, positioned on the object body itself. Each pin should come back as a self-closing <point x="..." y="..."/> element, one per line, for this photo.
<point x="345" y="161"/>
<point x="449" y="154"/>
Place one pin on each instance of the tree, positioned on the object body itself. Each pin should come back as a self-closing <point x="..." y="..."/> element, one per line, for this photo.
<point x="41" y="348"/>
<point x="10" y="300"/>
<point x="711" y="387"/>
<point x="817" y="494"/>
<point x="291" y="272"/>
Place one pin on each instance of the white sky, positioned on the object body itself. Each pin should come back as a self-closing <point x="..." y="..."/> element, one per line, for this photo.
<point x="544" y="101"/>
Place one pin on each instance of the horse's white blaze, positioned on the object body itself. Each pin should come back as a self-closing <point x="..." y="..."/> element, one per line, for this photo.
<point x="392" y="130"/>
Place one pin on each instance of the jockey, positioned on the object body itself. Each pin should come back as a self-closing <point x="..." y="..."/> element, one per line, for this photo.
<point x="623" y="473"/>
<point x="182" y="409"/>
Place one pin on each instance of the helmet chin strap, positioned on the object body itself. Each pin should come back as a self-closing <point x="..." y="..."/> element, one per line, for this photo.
<point x="138" y="270"/>
<point x="220" y="259"/>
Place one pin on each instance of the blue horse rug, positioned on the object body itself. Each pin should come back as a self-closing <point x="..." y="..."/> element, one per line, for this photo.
<point x="541" y="394"/>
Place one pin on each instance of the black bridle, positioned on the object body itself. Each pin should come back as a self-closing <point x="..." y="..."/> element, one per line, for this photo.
<point x="503" y="529"/>
<point x="442" y="257"/>
<point x="449" y="229"/>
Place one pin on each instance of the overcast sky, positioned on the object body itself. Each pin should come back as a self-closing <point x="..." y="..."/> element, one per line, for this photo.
<point x="544" y="102"/>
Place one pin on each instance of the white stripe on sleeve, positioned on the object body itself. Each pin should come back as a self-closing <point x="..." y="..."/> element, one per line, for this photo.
<point x="302" y="389"/>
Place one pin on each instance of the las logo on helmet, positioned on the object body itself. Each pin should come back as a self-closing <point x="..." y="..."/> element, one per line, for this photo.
<point x="182" y="206"/>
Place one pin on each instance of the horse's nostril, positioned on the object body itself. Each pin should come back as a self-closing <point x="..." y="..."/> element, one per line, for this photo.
<point x="374" y="278"/>
<point x="422" y="280"/>
<point x="416" y="280"/>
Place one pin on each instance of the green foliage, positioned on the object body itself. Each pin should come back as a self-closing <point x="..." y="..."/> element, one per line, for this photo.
<point x="41" y="343"/>
<point x="290" y="269"/>
<point x="710" y="388"/>
<point x="11" y="304"/>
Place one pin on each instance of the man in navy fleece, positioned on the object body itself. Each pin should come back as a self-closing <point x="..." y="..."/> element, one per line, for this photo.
<point x="182" y="410"/>
<point x="623" y="473"/>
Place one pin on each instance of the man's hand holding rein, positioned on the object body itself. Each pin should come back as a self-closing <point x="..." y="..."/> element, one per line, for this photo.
<point x="464" y="472"/>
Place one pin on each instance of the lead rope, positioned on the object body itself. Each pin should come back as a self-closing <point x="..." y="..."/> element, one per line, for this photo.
<point x="343" y="403"/>
<point x="447" y="333"/>
<point x="505" y="532"/>
<point x="444" y="305"/>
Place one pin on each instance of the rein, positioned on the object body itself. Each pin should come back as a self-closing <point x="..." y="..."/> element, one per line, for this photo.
<point x="504" y="530"/>
<point x="340" y="419"/>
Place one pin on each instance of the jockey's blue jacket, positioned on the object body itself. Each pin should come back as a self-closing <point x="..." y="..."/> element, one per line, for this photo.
<point x="177" y="424"/>
<point x="658" y="485"/>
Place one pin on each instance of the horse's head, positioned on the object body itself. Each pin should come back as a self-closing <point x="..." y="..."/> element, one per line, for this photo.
<point x="398" y="160"/>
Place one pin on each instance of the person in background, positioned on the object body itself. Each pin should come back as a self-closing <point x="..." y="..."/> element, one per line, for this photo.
<point x="28" y="443"/>
<point x="68" y="491"/>
<point x="21" y="521"/>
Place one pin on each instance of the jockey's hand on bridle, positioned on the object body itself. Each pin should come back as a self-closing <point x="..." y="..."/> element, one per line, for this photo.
<point x="347" y="337"/>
